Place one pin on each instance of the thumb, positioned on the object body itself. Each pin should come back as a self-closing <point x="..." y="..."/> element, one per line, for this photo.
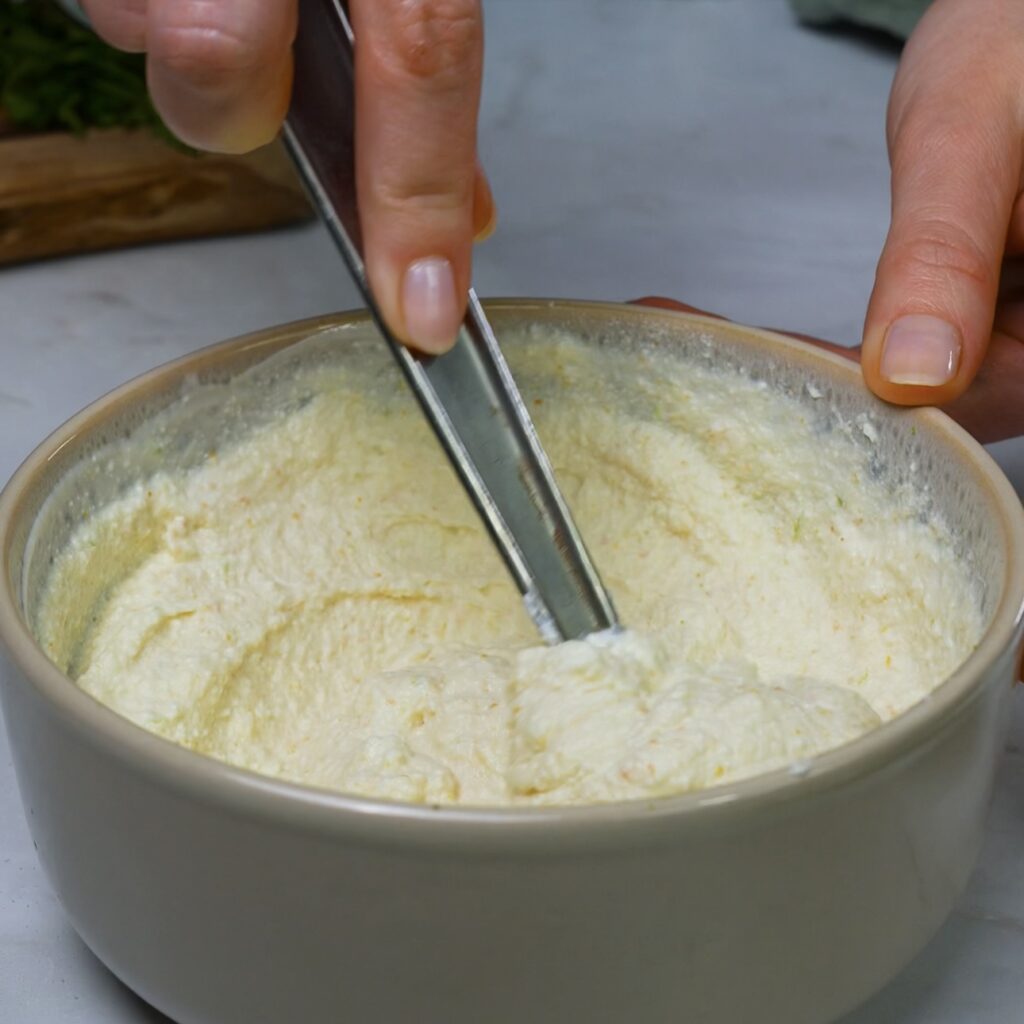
<point x="956" y="173"/>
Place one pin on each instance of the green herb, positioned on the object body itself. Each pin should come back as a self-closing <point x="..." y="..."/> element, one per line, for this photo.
<point x="56" y="75"/>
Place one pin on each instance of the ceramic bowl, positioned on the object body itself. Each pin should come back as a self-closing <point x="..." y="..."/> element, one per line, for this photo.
<point x="223" y="897"/>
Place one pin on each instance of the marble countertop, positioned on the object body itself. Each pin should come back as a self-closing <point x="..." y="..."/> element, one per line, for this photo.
<point x="709" y="150"/>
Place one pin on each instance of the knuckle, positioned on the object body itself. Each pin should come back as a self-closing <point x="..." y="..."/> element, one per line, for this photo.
<point x="122" y="23"/>
<point x="433" y="196"/>
<point x="436" y="41"/>
<point x="939" y="250"/>
<point x="208" y="55"/>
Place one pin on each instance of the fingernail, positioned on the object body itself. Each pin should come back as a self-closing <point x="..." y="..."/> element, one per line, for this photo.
<point x="485" y="211"/>
<point x="920" y="350"/>
<point x="429" y="306"/>
<point x="489" y="228"/>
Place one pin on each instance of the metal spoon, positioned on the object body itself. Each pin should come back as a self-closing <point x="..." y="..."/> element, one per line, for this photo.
<point x="468" y="394"/>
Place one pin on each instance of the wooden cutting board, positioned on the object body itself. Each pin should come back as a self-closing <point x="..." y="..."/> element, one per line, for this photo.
<point x="61" y="193"/>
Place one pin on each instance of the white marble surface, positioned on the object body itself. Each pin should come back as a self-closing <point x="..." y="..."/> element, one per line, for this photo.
<point x="705" y="149"/>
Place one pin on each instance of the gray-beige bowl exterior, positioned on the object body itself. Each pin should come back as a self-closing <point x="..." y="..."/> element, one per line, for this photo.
<point x="223" y="897"/>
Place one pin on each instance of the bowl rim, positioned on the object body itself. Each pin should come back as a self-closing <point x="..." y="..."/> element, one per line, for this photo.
<point x="373" y="819"/>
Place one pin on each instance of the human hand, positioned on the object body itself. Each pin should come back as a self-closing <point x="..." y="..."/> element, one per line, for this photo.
<point x="948" y="304"/>
<point x="220" y="73"/>
<point x="945" y="325"/>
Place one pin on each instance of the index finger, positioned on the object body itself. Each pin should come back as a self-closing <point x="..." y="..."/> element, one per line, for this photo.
<point x="418" y="72"/>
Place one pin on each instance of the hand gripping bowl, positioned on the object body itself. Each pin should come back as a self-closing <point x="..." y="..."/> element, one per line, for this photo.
<point x="223" y="897"/>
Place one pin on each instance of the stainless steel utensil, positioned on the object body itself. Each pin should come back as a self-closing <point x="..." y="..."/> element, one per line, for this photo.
<point x="468" y="394"/>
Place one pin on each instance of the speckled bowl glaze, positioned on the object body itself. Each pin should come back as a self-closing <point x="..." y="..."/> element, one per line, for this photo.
<point x="223" y="897"/>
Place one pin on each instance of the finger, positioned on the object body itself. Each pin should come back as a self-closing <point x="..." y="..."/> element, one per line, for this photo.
<point x="122" y="23"/>
<point x="418" y="68"/>
<point x="485" y="212"/>
<point x="219" y="71"/>
<point x="660" y="302"/>
<point x="956" y="173"/>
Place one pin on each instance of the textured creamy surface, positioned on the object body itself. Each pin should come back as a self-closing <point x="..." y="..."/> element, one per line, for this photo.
<point x="319" y="603"/>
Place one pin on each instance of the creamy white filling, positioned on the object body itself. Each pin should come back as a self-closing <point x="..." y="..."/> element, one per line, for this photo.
<point x="319" y="602"/>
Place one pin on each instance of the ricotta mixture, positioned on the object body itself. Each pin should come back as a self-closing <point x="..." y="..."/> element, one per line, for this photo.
<point x="318" y="602"/>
